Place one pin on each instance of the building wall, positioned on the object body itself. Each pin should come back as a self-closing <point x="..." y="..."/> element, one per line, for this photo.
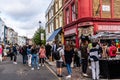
<point x="116" y="8"/>
<point x="106" y="8"/>
<point x="21" y="40"/>
<point x="1" y="31"/>
<point x="49" y="19"/>
<point x="56" y="21"/>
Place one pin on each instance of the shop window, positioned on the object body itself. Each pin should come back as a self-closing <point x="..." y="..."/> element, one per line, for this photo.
<point x="73" y="12"/>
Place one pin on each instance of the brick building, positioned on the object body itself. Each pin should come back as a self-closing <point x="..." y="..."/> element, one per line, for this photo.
<point x="90" y="17"/>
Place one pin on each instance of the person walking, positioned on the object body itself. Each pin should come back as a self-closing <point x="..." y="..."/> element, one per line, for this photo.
<point x="68" y="59"/>
<point x="42" y="55"/>
<point x="76" y="58"/>
<point x="29" y="55"/>
<point x="35" y="59"/>
<point x="84" y="56"/>
<point x="54" y="49"/>
<point x="59" y="63"/>
<point x="94" y="58"/>
<point x="48" y="50"/>
<point x="1" y="51"/>
<point x="24" y="54"/>
<point x="14" y="49"/>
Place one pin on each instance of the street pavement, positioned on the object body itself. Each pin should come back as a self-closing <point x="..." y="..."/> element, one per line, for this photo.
<point x="10" y="71"/>
<point x="76" y="73"/>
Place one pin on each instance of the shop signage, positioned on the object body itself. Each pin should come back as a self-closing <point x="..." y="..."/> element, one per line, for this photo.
<point x="70" y="31"/>
<point x="85" y="24"/>
<point x="105" y="8"/>
<point x="109" y="27"/>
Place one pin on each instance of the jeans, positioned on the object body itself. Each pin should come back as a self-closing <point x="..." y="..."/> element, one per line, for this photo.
<point x="13" y="55"/>
<point x="69" y="69"/>
<point x="35" y="60"/>
<point x="95" y="69"/>
<point x="84" y="65"/>
<point x="29" y="59"/>
<point x="42" y="60"/>
<point x="24" y="59"/>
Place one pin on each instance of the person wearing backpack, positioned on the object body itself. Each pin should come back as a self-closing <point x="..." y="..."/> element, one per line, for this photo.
<point x="59" y="63"/>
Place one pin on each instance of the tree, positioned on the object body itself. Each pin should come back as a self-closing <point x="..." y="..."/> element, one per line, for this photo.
<point x="36" y="37"/>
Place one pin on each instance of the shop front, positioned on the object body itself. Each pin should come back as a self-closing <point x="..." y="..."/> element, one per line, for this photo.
<point x="108" y="32"/>
<point x="85" y="29"/>
<point x="71" y="36"/>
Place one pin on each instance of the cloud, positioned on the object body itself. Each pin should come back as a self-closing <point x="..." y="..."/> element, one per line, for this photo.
<point x="23" y="15"/>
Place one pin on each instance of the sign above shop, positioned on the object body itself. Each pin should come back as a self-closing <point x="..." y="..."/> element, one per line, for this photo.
<point x="108" y="27"/>
<point x="85" y="24"/>
<point x="70" y="31"/>
<point x="105" y="8"/>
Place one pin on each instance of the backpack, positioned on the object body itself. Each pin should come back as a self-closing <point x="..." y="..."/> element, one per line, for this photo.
<point x="56" y="55"/>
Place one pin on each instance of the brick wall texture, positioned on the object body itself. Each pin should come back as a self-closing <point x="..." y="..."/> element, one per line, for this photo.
<point x="106" y="14"/>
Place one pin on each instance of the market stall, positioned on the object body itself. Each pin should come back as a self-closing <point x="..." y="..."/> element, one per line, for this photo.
<point x="109" y="67"/>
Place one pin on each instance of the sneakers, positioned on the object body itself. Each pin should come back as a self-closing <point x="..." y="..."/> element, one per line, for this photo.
<point x="32" y="68"/>
<point x="69" y="76"/>
<point x="85" y="75"/>
<point x="89" y="67"/>
<point x="38" y="68"/>
<point x="39" y="64"/>
<point x="14" y="62"/>
<point x="59" y="75"/>
<point x="29" y="65"/>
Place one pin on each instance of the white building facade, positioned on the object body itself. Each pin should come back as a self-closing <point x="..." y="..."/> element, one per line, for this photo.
<point x="1" y="30"/>
<point x="22" y="40"/>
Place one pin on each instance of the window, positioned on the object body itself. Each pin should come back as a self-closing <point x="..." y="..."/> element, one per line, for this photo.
<point x="60" y="4"/>
<point x="61" y="20"/>
<point x="56" y="6"/>
<point x="73" y="12"/>
<point x="56" y="23"/>
<point x="67" y="16"/>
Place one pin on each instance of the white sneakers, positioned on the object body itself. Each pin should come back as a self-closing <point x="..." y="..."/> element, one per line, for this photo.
<point x="32" y="68"/>
<point x="41" y="65"/>
<point x="69" y="76"/>
<point x="85" y="75"/>
<point x="14" y="62"/>
<point x="37" y="68"/>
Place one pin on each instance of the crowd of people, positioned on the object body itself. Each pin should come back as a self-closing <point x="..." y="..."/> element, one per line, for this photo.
<point x="88" y="54"/>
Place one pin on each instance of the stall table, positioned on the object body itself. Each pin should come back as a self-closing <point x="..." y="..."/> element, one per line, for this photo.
<point x="110" y="68"/>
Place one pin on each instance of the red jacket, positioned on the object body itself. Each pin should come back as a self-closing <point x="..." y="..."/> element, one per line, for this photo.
<point x="112" y="51"/>
<point x="1" y="50"/>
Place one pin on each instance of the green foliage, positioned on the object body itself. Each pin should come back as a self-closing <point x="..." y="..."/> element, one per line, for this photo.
<point x="36" y="37"/>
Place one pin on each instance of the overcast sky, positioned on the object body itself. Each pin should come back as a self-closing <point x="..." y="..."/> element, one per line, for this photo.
<point x="23" y="15"/>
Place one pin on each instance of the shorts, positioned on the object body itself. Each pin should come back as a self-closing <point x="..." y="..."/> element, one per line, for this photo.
<point x="59" y="64"/>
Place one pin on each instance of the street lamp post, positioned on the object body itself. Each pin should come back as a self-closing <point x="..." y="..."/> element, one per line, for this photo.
<point x="40" y="30"/>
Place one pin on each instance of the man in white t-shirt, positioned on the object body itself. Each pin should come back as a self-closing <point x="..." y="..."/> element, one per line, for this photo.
<point x="59" y="63"/>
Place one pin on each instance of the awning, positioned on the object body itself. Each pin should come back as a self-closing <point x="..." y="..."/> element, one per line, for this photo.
<point x="54" y="34"/>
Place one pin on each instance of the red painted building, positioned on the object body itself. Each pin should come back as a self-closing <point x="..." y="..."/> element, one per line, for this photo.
<point x="90" y="17"/>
